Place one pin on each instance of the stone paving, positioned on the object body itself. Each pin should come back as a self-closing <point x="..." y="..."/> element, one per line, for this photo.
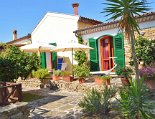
<point x="56" y="104"/>
<point x="60" y="104"/>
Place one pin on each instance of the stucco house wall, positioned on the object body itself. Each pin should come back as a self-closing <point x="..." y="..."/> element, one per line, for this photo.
<point x="146" y="23"/>
<point x="58" y="28"/>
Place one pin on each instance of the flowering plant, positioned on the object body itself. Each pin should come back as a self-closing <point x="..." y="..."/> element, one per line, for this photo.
<point x="148" y="72"/>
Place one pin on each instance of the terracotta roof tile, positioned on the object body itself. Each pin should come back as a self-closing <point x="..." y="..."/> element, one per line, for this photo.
<point x="19" y="39"/>
<point x="90" y="20"/>
<point x="114" y="24"/>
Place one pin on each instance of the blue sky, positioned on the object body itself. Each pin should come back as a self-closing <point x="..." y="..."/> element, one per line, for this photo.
<point x="24" y="15"/>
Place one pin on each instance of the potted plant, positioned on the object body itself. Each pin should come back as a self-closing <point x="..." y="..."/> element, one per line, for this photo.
<point x="66" y="76"/>
<point x="125" y="73"/>
<point x="41" y="74"/>
<point x="81" y="71"/>
<point x="99" y="80"/>
<point x="148" y="73"/>
<point x="56" y="75"/>
<point x="105" y="80"/>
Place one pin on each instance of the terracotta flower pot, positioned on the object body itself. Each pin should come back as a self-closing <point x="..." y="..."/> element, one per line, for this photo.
<point x="68" y="78"/>
<point x="125" y="81"/>
<point x="81" y="80"/>
<point x="56" y="78"/>
<point x="100" y="81"/>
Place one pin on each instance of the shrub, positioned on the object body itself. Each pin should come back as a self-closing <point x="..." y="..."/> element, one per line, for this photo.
<point x="22" y="63"/>
<point x="104" y="77"/>
<point x="124" y="71"/>
<point x="57" y="72"/>
<point x="134" y="102"/>
<point x="8" y="70"/>
<point x="66" y="73"/>
<point x="98" y="102"/>
<point x="81" y="71"/>
<point x="145" y="50"/>
<point x="40" y="73"/>
<point x="80" y="56"/>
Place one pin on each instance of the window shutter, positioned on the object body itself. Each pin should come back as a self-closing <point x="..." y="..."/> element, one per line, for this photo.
<point x="118" y="41"/>
<point x="43" y="60"/>
<point x="54" y="57"/>
<point x="94" y="62"/>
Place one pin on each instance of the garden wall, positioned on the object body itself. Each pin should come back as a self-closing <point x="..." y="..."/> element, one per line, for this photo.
<point x="18" y="110"/>
<point x="76" y="86"/>
<point x="30" y="82"/>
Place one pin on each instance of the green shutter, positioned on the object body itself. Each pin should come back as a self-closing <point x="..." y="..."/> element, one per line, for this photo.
<point x="43" y="60"/>
<point x="54" y="57"/>
<point x="94" y="62"/>
<point x="118" y="41"/>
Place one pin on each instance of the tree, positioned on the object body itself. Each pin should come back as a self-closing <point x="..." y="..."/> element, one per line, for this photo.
<point x="126" y="11"/>
<point x="145" y="50"/>
<point x="15" y="63"/>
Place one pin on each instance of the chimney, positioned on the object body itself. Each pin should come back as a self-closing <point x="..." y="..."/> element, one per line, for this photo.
<point x="75" y="6"/>
<point x="14" y="34"/>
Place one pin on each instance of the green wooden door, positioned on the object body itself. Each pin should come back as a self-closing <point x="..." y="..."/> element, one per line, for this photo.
<point x="118" y="41"/>
<point x="94" y="62"/>
<point x="54" y="57"/>
<point x="43" y="60"/>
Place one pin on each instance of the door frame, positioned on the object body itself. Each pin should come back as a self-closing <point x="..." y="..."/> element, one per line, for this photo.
<point x="101" y="49"/>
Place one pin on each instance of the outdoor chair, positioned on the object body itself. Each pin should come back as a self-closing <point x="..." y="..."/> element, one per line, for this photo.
<point x="59" y="65"/>
<point x="63" y="66"/>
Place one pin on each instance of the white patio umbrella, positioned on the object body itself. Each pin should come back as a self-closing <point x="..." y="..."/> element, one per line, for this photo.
<point x="71" y="47"/>
<point x="37" y="47"/>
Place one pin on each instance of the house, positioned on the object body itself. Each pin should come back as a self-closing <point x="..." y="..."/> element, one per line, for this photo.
<point x="56" y="29"/>
<point x="108" y="42"/>
<point x="19" y="41"/>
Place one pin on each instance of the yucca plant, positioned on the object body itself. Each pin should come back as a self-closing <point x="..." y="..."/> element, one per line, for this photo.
<point x="125" y="11"/>
<point x="135" y="101"/>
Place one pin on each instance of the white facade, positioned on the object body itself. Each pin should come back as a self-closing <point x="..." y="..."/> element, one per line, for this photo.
<point x="56" y="28"/>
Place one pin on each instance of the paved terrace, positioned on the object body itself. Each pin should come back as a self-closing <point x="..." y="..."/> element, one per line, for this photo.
<point x="60" y="104"/>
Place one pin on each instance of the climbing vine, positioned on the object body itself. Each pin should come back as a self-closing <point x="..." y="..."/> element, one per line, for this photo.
<point x="80" y="56"/>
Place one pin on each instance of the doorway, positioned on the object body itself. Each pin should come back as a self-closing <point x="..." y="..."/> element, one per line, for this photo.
<point x="106" y="51"/>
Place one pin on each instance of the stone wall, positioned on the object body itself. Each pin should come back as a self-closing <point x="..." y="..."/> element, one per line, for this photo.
<point x="18" y="110"/>
<point x="147" y="33"/>
<point x="30" y="82"/>
<point x="75" y="86"/>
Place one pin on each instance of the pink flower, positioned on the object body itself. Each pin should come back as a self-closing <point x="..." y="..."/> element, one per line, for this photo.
<point x="147" y="72"/>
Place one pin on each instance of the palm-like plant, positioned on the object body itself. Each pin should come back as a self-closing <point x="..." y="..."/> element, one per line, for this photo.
<point x="125" y="11"/>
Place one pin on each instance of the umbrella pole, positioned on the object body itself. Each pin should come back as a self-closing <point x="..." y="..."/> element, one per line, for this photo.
<point x="72" y="63"/>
